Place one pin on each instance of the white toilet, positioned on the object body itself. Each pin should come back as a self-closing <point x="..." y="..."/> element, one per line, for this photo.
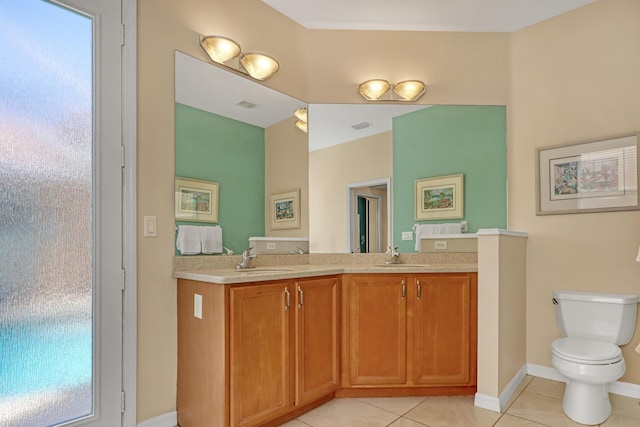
<point x="594" y="324"/>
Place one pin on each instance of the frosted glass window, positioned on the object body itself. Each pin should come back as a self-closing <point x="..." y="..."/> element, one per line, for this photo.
<point x="46" y="220"/>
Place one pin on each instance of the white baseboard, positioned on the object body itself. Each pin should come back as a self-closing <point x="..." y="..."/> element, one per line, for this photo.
<point x="170" y="419"/>
<point x="498" y="404"/>
<point x="617" y="387"/>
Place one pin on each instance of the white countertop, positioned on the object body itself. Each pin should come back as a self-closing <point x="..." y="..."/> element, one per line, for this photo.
<point x="273" y="272"/>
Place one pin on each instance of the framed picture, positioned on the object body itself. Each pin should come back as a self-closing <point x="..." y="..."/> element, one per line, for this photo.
<point x="595" y="176"/>
<point x="440" y="197"/>
<point x="285" y="210"/>
<point x="196" y="200"/>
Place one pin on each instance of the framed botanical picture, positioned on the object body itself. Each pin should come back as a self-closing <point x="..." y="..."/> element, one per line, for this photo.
<point x="594" y="176"/>
<point x="285" y="210"/>
<point x="196" y="200"/>
<point x="440" y="197"/>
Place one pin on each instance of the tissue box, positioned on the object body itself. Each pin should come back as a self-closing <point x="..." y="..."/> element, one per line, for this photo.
<point x="278" y="245"/>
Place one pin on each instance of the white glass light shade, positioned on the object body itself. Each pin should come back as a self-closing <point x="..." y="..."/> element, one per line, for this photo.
<point x="259" y="66"/>
<point x="303" y="126"/>
<point x="373" y="89"/>
<point x="220" y="49"/>
<point x="301" y="114"/>
<point x="409" y="90"/>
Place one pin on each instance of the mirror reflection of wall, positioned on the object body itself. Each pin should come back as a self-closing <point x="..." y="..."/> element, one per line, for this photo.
<point x="420" y="141"/>
<point x="233" y="131"/>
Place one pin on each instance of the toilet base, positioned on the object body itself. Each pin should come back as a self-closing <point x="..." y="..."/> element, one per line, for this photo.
<point x="586" y="403"/>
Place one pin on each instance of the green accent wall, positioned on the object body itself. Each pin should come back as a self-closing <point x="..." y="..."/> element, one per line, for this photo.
<point x="448" y="140"/>
<point x="214" y="148"/>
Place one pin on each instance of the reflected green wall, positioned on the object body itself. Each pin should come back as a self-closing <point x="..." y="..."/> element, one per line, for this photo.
<point x="447" y="140"/>
<point x="214" y="148"/>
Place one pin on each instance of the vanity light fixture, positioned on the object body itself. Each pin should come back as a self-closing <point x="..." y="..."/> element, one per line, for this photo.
<point x="303" y="118"/>
<point x="222" y="50"/>
<point x="407" y="90"/>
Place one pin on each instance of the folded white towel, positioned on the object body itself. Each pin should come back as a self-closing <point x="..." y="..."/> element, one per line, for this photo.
<point x="431" y="229"/>
<point x="189" y="240"/>
<point x="211" y="239"/>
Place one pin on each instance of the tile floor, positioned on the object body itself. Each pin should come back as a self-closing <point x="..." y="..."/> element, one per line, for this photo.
<point x="538" y="402"/>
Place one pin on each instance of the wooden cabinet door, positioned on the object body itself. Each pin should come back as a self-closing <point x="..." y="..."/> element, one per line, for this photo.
<point x="442" y="329"/>
<point x="259" y="352"/>
<point x="316" y="331"/>
<point x="377" y="330"/>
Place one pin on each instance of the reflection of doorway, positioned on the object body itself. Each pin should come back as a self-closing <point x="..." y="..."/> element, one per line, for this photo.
<point x="368" y="224"/>
<point x="369" y="216"/>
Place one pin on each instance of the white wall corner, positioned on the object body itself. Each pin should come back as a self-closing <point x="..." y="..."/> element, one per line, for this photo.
<point x="545" y="372"/>
<point x="512" y="387"/>
<point x="485" y="401"/>
<point x="170" y="419"/>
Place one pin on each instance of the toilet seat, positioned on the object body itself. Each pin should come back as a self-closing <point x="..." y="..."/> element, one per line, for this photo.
<point x="586" y="351"/>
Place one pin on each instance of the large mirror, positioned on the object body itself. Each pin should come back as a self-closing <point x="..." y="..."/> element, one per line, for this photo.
<point x="354" y="170"/>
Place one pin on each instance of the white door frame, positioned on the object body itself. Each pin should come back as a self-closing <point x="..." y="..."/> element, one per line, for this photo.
<point x="350" y="189"/>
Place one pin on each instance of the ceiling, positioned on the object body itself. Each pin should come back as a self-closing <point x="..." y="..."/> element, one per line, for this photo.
<point x="423" y="15"/>
<point x="212" y="88"/>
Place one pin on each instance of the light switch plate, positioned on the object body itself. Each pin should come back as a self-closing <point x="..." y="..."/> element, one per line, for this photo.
<point x="407" y="235"/>
<point x="197" y="306"/>
<point x="150" y="226"/>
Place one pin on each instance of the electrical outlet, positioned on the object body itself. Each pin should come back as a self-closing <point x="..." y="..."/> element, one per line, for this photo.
<point x="197" y="306"/>
<point x="271" y="246"/>
<point x="441" y="244"/>
<point x="407" y="235"/>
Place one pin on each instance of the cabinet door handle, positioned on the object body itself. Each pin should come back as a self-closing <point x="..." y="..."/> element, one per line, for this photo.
<point x="301" y="300"/>
<point x="404" y="288"/>
<point x="288" y="298"/>
<point x="419" y="289"/>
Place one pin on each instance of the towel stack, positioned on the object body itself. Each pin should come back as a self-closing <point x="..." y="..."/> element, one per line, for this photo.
<point x="193" y="239"/>
<point x="431" y="229"/>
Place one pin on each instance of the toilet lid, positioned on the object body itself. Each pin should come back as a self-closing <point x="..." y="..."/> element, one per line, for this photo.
<point x="589" y="352"/>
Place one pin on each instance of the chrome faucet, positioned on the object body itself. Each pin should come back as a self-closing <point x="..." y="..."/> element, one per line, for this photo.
<point x="394" y="255"/>
<point x="247" y="259"/>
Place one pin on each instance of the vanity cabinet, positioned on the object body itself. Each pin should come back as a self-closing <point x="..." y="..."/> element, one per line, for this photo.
<point x="409" y="331"/>
<point x="260" y="352"/>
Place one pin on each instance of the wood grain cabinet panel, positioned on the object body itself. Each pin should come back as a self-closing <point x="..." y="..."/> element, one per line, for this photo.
<point x="261" y="353"/>
<point x="410" y="331"/>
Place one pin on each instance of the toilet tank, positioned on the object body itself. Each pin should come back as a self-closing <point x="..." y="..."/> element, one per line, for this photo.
<point x="599" y="316"/>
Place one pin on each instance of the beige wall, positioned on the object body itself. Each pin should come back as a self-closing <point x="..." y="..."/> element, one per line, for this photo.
<point x="286" y="161"/>
<point x="569" y="79"/>
<point x="501" y="310"/>
<point x="574" y="78"/>
<point x="330" y="170"/>
<point x="163" y="27"/>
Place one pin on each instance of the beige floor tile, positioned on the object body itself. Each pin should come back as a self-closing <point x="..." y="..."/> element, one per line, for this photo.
<point x="545" y="387"/>
<point x="541" y="409"/>
<point x="621" y="421"/>
<point x="294" y="423"/>
<point x="510" y="421"/>
<point x="443" y="411"/>
<point x="396" y="405"/>
<point x="625" y="406"/>
<point x="347" y="413"/>
<point x="525" y="382"/>
<point x="405" y="422"/>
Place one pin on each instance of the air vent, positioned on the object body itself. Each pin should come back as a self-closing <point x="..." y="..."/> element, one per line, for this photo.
<point x="363" y="125"/>
<point x="246" y="104"/>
